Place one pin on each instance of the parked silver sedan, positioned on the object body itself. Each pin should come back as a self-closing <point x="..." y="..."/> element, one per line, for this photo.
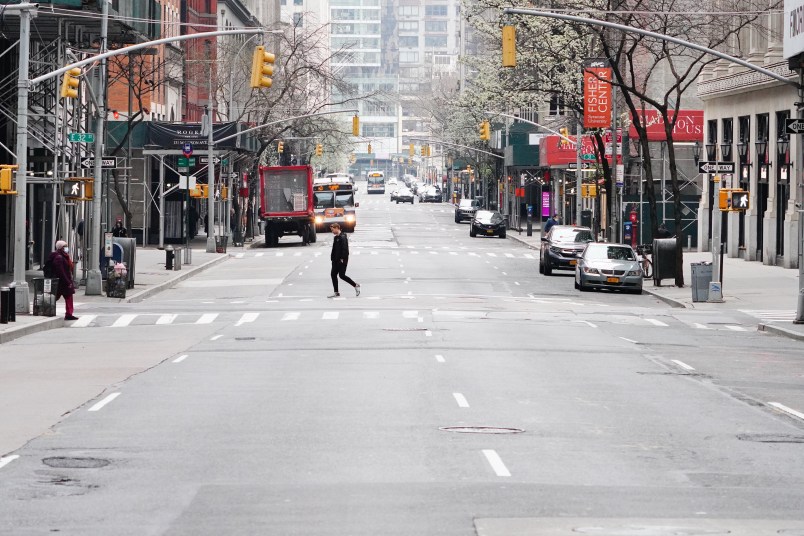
<point x="611" y="266"/>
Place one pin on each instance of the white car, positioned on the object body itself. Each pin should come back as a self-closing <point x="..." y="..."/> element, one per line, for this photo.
<point x="392" y="181"/>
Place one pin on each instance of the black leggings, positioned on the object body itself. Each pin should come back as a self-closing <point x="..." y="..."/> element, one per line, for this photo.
<point x="339" y="270"/>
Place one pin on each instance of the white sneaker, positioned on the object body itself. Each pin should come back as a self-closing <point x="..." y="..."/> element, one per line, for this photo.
<point x="336" y="295"/>
<point x="357" y="290"/>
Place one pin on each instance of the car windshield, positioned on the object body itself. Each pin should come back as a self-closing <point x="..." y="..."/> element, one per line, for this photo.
<point x="571" y="234"/>
<point x="487" y="216"/>
<point x="344" y="199"/>
<point x="404" y="191"/>
<point x="617" y="253"/>
<point x="467" y="203"/>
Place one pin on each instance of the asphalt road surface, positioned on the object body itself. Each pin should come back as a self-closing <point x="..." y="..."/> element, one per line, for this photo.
<point x="462" y="393"/>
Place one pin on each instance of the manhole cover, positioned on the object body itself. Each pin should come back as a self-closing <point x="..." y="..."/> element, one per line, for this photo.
<point x="61" y="462"/>
<point x="771" y="438"/>
<point x="481" y="430"/>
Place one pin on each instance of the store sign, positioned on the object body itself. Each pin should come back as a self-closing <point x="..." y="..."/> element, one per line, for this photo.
<point x="793" y="24"/>
<point x="596" y="94"/>
<point x="546" y="204"/>
<point x="689" y="125"/>
<point x="556" y="151"/>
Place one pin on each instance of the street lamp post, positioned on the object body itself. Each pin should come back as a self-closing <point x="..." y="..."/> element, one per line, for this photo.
<point x="715" y="287"/>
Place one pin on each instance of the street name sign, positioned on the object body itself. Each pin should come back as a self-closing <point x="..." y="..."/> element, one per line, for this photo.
<point x="81" y="137"/>
<point x="715" y="167"/>
<point x="205" y="159"/>
<point x="106" y="163"/>
<point x="794" y="126"/>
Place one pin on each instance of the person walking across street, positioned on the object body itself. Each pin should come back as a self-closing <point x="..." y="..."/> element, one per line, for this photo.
<point x="340" y="259"/>
<point x="61" y="267"/>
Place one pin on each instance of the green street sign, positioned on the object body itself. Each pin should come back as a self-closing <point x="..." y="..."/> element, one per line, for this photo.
<point x="184" y="161"/>
<point x="81" y="137"/>
<point x="587" y="156"/>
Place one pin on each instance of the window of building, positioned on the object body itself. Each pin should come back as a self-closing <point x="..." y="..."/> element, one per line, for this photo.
<point x="409" y="11"/>
<point x="409" y="41"/>
<point x="409" y="26"/>
<point x="557" y="105"/>
<point x="283" y="2"/>
<point x="297" y="19"/>
<point x="408" y="57"/>
<point x="432" y="41"/>
<point x="435" y="26"/>
<point x="375" y="130"/>
<point x="298" y="2"/>
<point x="435" y="11"/>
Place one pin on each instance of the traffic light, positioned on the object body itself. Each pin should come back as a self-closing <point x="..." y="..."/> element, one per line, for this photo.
<point x="369" y="148"/>
<point x="262" y="67"/>
<point x="411" y="150"/>
<point x="70" y="83"/>
<point x="508" y="46"/>
<point x="280" y="147"/>
<point x="564" y="131"/>
<point x="319" y="150"/>
<point x="485" y="130"/>
<point x="204" y="190"/>
<point x="352" y="158"/>
<point x="196" y="192"/>
<point x="6" y="180"/>
<point x="355" y="126"/>
<point x="224" y="192"/>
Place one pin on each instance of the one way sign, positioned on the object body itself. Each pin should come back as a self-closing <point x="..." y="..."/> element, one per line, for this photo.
<point x="794" y="126"/>
<point x="107" y="163"/>
<point x="715" y="167"/>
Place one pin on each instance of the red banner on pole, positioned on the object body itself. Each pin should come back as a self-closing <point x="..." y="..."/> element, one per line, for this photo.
<point x="596" y="94"/>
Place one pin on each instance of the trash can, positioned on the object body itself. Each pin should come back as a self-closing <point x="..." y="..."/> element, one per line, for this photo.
<point x="6" y="305"/>
<point x="220" y="243"/>
<point x="116" y="280"/>
<point x="701" y="277"/>
<point x="45" y="290"/>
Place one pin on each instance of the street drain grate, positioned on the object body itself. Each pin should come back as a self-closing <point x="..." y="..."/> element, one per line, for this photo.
<point x="245" y="338"/>
<point x="61" y="462"/>
<point x="481" y="430"/>
<point x="771" y="438"/>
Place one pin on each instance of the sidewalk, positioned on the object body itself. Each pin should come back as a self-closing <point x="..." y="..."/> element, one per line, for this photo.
<point x="766" y="292"/>
<point x="150" y="278"/>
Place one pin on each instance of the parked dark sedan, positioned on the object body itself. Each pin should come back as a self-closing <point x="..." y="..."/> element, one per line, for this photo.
<point x="487" y="223"/>
<point x="562" y="246"/>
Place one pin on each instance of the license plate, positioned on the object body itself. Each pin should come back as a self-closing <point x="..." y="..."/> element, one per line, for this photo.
<point x="612" y="280"/>
<point x="573" y="262"/>
<point x="490" y="231"/>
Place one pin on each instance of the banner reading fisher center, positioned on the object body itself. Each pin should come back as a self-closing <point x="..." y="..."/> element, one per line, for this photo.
<point x="596" y="94"/>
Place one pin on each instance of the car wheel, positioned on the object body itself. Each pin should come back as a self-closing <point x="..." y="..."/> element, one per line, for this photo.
<point x="582" y="287"/>
<point x="637" y="291"/>
<point x="576" y="284"/>
<point x="548" y="270"/>
<point x="541" y="265"/>
<point x="457" y="219"/>
<point x="502" y="233"/>
<point x="397" y="201"/>
<point x="472" y="232"/>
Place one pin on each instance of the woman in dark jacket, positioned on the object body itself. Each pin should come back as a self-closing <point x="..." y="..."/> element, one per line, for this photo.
<point x="63" y="269"/>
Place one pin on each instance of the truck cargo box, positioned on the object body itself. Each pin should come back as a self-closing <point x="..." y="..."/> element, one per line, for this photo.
<point x="286" y="191"/>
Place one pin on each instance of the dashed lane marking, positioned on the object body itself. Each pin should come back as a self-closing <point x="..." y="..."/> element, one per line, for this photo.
<point x="496" y="462"/>
<point x="99" y="405"/>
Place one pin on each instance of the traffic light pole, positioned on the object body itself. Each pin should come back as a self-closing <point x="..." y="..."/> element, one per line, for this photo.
<point x="800" y="202"/>
<point x="26" y="13"/>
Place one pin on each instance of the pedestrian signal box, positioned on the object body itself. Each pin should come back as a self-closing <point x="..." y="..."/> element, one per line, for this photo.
<point x="733" y="200"/>
<point x="588" y="190"/>
<point x="72" y="189"/>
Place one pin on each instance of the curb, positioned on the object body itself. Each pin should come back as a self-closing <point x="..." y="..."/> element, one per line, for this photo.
<point x="670" y="301"/>
<point x="784" y="332"/>
<point x="521" y="240"/>
<point x="147" y="293"/>
<point x="30" y="329"/>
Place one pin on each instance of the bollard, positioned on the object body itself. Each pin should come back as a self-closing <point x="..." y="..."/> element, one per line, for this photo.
<point x="169" y="256"/>
<point x="4" y="305"/>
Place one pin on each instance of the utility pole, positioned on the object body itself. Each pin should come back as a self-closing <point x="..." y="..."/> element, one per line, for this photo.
<point x="800" y="201"/>
<point x="93" y="244"/>
<point x="614" y="194"/>
<point x="21" y="294"/>
<point x="211" y="248"/>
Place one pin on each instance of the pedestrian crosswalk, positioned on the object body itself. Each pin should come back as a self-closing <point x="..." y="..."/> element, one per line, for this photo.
<point x="771" y="315"/>
<point x="396" y="317"/>
<point x="400" y="251"/>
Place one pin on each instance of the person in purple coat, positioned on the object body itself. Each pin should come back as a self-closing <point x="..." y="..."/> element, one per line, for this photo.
<point x="62" y="267"/>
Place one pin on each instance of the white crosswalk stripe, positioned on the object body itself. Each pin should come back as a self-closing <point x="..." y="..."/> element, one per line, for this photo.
<point x="330" y="315"/>
<point x="166" y="319"/>
<point x="247" y="318"/>
<point x="124" y="321"/>
<point x="83" y="321"/>
<point x="207" y="318"/>
<point x="290" y="316"/>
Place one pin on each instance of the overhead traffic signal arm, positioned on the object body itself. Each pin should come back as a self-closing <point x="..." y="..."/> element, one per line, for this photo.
<point x="262" y="67"/>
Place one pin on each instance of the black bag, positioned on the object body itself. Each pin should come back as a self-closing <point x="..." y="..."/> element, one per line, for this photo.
<point x="47" y="269"/>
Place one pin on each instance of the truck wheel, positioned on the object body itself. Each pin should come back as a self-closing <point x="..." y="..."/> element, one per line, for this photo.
<point x="312" y="237"/>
